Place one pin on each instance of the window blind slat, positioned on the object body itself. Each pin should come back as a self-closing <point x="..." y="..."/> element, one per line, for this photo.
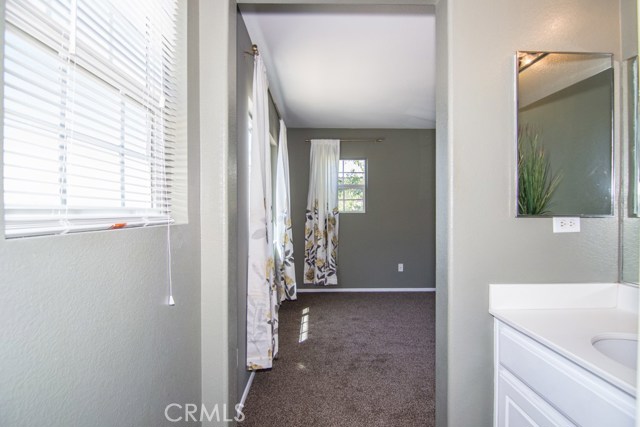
<point x="47" y="22"/>
<point x="109" y="42"/>
<point x="90" y="114"/>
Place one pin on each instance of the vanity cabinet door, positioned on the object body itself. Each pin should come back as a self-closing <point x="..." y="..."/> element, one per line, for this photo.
<point x="536" y="386"/>
<point x="580" y="395"/>
<point x="519" y="406"/>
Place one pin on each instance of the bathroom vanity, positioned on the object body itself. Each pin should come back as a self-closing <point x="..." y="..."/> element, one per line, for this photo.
<point x="565" y="354"/>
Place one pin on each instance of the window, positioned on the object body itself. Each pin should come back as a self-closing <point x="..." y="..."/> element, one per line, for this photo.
<point x="92" y="114"/>
<point x="352" y="182"/>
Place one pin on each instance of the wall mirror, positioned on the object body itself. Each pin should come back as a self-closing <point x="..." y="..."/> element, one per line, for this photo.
<point x="565" y="134"/>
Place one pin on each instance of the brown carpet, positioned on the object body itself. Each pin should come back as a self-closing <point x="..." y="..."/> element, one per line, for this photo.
<point x="369" y="360"/>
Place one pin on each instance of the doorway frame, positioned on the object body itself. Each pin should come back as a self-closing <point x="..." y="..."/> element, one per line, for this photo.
<point x="216" y="51"/>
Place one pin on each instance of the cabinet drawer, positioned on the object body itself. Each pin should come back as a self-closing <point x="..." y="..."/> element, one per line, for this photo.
<point x="519" y="406"/>
<point x="581" y="396"/>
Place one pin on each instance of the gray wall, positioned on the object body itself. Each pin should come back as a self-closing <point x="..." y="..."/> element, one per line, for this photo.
<point x="575" y="126"/>
<point x="486" y="243"/>
<point x="87" y="335"/>
<point x="399" y="223"/>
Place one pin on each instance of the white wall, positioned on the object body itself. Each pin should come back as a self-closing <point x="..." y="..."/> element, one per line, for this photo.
<point x="86" y="335"/>
<point x="487" y="244"/>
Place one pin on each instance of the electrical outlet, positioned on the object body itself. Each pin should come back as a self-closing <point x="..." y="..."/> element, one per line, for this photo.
<point x="566" y="224"/>
<point x="401" y="267"/>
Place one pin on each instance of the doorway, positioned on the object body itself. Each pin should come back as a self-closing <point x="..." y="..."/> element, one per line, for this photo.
<point x="247" y="6"/>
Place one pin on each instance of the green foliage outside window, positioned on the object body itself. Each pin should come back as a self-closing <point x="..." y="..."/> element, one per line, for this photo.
<point x="352" y="186"/>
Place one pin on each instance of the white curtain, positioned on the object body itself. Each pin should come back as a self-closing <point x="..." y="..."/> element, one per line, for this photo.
<point x="285" y="270"/>
<point x="262" y="301"/>
<point x="321" y="226"/>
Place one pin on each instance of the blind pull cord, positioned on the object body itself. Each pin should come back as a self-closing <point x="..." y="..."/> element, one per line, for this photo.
<point x="171" y="301"/>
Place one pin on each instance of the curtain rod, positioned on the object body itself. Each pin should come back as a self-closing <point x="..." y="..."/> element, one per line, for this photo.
<point x="353" y="140"/>
<point x="254" y="50"/>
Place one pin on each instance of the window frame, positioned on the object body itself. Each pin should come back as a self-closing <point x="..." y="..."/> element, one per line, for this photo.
<point x="362" y="187"/>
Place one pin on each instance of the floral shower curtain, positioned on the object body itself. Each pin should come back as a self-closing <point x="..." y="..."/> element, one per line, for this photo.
<point x="285" y="270"/>
<point x="321" y="227"/>
<point x="262" y="298"/>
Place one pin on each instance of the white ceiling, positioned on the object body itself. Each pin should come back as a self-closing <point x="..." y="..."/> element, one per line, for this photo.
<point x="336" y="66"/>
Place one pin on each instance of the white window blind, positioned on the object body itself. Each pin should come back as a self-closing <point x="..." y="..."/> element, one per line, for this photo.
<point x="91" y="111"/>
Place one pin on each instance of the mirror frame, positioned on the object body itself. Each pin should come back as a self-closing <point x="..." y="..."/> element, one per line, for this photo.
<point x="633" y="154"/>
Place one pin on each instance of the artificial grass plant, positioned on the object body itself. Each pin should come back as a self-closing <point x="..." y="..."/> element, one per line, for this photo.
<point x="536" y="182"/>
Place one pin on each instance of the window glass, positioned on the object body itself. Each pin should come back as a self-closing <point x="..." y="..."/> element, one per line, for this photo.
<point x="352" y="179"/>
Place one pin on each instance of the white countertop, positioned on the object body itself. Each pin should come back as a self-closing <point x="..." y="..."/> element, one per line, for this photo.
<point x="550" y="315"/>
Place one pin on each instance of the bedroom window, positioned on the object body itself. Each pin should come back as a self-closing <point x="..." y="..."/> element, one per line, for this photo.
<point x="352" y="183"/>
<point x="93" y="112"/>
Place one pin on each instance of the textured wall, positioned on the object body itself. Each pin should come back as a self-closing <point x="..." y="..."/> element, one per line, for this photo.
<point x="487" y="244"/>
<point x="399" y="225"/>
<point x="87" y="336"/>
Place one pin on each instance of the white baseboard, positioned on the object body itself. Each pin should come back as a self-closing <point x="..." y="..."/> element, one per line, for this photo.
<point x="332" y="289"/>
<point x="247" y="388"/>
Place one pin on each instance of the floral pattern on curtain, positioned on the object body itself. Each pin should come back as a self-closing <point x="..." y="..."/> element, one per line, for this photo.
<point x="285" y="269"/>
<point x="262" y="298"/>
<point x="321" y="225"/>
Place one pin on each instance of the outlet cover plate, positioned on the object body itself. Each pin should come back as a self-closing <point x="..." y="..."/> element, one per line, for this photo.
<point x="566" y="224"/>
